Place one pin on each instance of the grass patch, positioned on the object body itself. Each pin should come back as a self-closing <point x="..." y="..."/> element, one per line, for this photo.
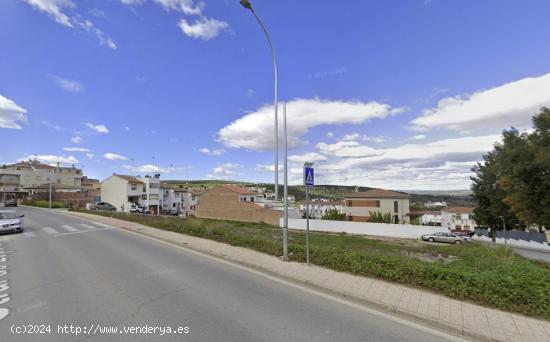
<point x="45" y="204"/>
<point x="488" y="275"/>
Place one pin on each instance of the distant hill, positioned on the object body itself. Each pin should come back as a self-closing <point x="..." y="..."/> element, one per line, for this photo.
<point x="418" y="197"/>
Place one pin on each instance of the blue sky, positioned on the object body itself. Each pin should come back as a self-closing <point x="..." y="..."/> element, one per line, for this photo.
<point x="394" y="94"/>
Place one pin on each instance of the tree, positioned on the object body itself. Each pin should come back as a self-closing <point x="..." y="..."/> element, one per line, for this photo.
<point x="378" y="217"/>
<point x="333" y="215"/>
<point x="513" y="182"/>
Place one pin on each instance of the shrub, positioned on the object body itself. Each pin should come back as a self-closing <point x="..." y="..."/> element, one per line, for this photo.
<point x="46" y="204"/>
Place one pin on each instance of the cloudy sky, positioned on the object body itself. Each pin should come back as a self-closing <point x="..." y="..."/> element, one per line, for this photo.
<point x="392" y="94"/>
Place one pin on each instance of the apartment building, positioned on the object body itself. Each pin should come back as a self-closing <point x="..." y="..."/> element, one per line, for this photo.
<point x="151" y="193"/>
<point x="33" y="176"/>
<point x="359" y="205"/>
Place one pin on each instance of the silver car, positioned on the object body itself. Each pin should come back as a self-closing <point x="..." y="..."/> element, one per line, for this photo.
<point x="10" y="221"/>
<point x="444" y="237"/>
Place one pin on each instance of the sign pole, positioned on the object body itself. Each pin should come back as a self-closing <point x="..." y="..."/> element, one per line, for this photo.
<point x="308" y="181"/>
<point x="307" y="224"/>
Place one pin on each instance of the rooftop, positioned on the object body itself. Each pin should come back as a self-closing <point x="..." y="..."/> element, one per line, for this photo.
<point x="459" y="210"/>
<point x="239" y="190"/>
<point x="377" y="193"/>
<point x="130" y="179"/>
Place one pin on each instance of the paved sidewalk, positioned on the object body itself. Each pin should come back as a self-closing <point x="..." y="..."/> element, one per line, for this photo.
<point x="469" y="319"/>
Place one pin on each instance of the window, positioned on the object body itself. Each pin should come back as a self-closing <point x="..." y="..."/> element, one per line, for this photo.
<point x="144" y="197"/>
<point x="153" y="186"/>
<point x="173" y="205"/>
<point x="133" y="186"/>
<point x="395" y="206"/>
<point x="177" y="195"/>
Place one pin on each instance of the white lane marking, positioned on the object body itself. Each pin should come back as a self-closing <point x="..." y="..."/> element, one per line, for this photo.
<point x="29" y="234"/>
<point x="50" y="230"/>
<point x="84" y="231"/>
<point x="69" y="228"/>
<point x="87" y="226"/>
<point x="102" y="224"/>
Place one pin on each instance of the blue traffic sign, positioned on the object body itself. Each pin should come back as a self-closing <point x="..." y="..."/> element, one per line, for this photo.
<point x="309" y="176"/>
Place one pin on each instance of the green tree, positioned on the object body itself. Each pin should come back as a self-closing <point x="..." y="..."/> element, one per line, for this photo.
<point x="378" y="217"/>
<point x="333" y="215"/>
<point x="513" y="182"/>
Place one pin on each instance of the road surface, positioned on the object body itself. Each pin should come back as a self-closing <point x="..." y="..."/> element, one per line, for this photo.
<point x="79" y="280"/>
<point x="533" y="254"/>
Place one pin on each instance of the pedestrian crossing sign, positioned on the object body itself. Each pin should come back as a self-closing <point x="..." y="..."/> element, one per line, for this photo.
<point x="309" y="176"/>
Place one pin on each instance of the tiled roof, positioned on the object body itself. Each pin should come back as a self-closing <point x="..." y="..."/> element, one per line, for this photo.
<point x="130" y="179"/>
<point x="377" y="193"/>
<point x="459" y="210"/>
<point x="239" y="190"/>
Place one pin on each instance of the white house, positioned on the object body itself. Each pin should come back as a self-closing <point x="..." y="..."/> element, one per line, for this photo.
<point x="173" y="198"/>
<point x="189" y="201"/>
<point x="318" y="208"/>
<point x="122" y="191"/>
<point x="458" y="218"/>
<point x="359" y="205"/>
<point x="151" y="196"/>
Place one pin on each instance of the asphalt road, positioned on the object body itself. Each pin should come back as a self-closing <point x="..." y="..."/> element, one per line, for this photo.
<point x="533" y="254"/>
<point x="66" y="271"/>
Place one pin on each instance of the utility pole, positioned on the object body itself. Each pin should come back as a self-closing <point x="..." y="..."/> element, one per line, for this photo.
<point x="285" y="191"/>
<point x="50" y="196"/>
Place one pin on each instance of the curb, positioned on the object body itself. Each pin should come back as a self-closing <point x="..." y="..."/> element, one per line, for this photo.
<point x="342" y="295"/>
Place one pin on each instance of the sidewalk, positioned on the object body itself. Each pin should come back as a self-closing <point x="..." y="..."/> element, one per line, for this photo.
<point x="468" y="319"/>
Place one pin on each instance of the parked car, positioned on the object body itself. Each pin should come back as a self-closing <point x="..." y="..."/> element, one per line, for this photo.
<point x="10" y="203"/>
<point x="10" y="221"/>
<point x="134" y="208"/>
<point x="104" y="206"/>
<point x="444" y="237"/>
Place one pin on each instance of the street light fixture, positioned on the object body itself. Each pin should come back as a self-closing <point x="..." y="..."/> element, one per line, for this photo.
<point x="246" y="4"/>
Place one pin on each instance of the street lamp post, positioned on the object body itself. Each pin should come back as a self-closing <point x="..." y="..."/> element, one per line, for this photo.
<point x="246" y="4"/>
<point x="504" y="227"/>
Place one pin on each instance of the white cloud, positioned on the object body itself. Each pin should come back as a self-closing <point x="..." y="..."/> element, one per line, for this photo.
<point x="148" y="168"/>
<point x="346" y="148"/>
<point x="88" y="26"/>
<point x="11" y="114"/>
<point x="203" y="28"/>
<point x="90" y="155"/>
<point x="213" y="152"/>
<point x="77" y="139"/>
<point x="57" y="10"/>
<point x="114" y="156"/>
<point x="185" y="6"/>
<point x="98" y="128"/>
<point x="375" y="139"/>
<point x="127" y="129"/>
<point x="329" y="135"/>
<point x="51" y="159"/>
<point x="418" y="137"/>
<point x="252" y="131"/>
<point x="68" y="85"/>
<point x="76" y="149"/>
<point x="225" y="171"/>
<point x="306" y="157"/>
<point x="510" y="104"/>
<point x="351" y="137"/>
<point x="329" y="73"/>
<point x="439" y="165"/>
<point x="268" y="167"/>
